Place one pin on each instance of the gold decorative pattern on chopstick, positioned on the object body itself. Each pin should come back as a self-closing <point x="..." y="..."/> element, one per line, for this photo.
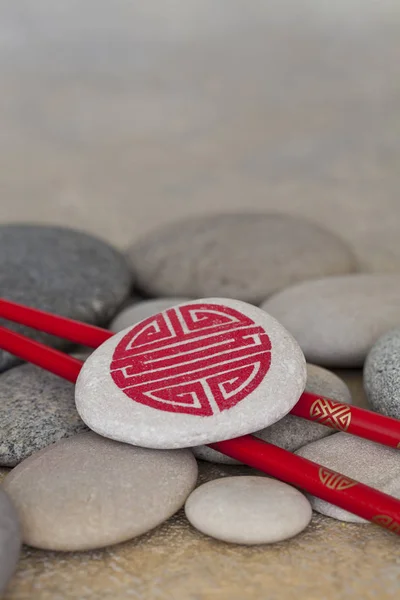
<point x="387" y="522"/>
<point x="332" y="414"/>
<point x="335" y="481"/>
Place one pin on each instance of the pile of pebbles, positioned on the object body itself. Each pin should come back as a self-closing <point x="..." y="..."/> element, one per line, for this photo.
<point x="69" y="488"/>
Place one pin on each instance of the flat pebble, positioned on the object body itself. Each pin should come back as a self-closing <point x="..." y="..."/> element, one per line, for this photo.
<point x="382" y="375"/>
<point x="292" y="432"/>
<point x="246" y="256"/>
<point x="63" y="271"/>
<point x="37" y="408"/>
<point x="142" y="310"/>
<point x="336" y="320"/>
<point x="10" y="542"/>
<point x="373" y="464"/>
<point x="88" y="492"/>
<point x="248" y="510"/>
<point x="209" y="370"/>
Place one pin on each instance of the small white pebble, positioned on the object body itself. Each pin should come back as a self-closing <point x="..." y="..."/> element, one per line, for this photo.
<point x="248" y="510"/>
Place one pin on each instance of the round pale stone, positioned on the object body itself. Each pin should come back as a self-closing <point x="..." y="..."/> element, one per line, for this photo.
<point x="142" y="310"/>
<point x="293" y="432"/>
<point x="247" y="256"/>
<point x="207" y="371"/>
<point x="373" y="464"/>
<point x="88" y="492"/>
<point x="337" y="320"/>
<point x="248" y="510"/>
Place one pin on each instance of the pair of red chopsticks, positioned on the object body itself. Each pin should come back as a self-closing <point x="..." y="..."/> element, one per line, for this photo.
<point x="368" y="503"/>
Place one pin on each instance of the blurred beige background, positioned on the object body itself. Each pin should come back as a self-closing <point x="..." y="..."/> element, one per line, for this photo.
<point x="118" y="115"/>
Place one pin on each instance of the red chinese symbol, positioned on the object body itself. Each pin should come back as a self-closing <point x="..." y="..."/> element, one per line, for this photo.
<point x="197" y="359"/>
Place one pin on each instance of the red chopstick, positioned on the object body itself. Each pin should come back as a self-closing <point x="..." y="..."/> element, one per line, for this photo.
<point x="368" y="503"/>
<point x="74" y="331"/>
<point x="333" y="414"/>
<point x="351" y="419"/>
<point x="319" y="481"/>
<point x="351" y="495"/>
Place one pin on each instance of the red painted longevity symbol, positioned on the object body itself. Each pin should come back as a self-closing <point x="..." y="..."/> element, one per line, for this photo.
<point x="197" y="359"/>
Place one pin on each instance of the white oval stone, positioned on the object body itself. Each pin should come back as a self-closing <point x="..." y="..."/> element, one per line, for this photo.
<point x="207" y="371"/>
<point x="373" y="464"/>
<point x="88" y="492"/>
<point x="336" y="320"/>
<point x="293" y="432"/>
<point x="141" y="310"/>
<point x="37" y="409"/>
<point x="248" y="510"/>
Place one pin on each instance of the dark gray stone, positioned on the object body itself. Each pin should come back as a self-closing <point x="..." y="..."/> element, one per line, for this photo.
<point x="37" y="409"/>
<point x="382" y="375"/>
<point x="63" y="271"/>
<point x="246" y="256"/>
<point x="10" y="540"/>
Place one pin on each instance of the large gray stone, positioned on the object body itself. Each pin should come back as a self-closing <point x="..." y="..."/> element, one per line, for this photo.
<point x="373" y="464"/>
<point x="247" y="256"/>
<point x="63" y="271"/>
<point x="336" y="320"/>
<point x="382" y="375"/>
<point x="293" y="432"/>
<point x="89" y="492"/>
<point x="248" y="510"/>
<point x="37" y="408"/>
<point x="205" y="371"/>
<point x="10" y="541"/>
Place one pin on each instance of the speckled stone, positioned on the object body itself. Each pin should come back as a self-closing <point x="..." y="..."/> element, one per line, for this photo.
<point x="382" y="375"/>
<point x="127" y="389"/>
<point x="89" y="492"/>
<point x="292" y="432"/>
<point x="247" y="256"/>
<point x="10" y="541"/>
<point x="63" y="271"/>
<point x="336" y="320"/>
<point x="248" y="510"/>
<point x="373" y="464"/>
<point x="141" y="310"/>
<point x="37" y="408"/>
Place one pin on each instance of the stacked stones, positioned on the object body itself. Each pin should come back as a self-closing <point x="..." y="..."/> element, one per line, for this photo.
<point x="297" y="272"/>
<point x="306" y="278"/>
